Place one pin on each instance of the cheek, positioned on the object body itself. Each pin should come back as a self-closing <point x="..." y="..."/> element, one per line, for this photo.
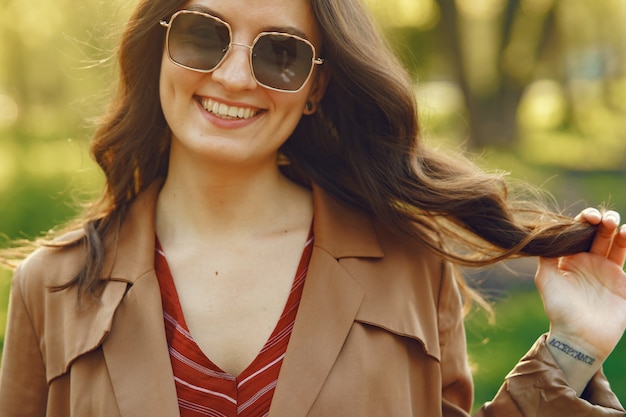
<point x="169" y="81"/>
<point x="172" y="88"/>
<point x="292" y="108"/>
<point x="175" y="84"/>
<point x="165" y="84"/>
<point x="290" y="103"/>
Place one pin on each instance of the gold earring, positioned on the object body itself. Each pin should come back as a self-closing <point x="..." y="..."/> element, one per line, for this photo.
<point x="282" y="160"/>
<point x="309" y="107"/>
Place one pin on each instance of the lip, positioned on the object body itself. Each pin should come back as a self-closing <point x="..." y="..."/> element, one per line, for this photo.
<point x="228" y="123"/>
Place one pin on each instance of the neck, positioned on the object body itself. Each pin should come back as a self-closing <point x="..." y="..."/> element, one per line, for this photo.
<point x="230" y="203"/>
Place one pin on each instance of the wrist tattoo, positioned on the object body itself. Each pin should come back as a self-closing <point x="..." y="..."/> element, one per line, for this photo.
<point x="565" y="348"/>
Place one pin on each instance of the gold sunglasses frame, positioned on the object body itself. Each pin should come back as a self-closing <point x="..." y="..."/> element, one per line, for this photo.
<point x="168" y="24"/>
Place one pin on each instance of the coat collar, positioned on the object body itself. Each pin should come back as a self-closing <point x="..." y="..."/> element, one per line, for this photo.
<point x="138" y="341"/>
<point x="328" y="308"/>
<point x="133" y="249"/>
<point x="341" y="231"/>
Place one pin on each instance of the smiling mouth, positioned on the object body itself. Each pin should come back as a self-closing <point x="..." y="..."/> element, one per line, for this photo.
<point x="227" y="112"/>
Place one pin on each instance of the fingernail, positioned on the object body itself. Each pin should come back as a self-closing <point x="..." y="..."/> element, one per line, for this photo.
<point x="591" y="212"/>
<point x="612" y="217"/>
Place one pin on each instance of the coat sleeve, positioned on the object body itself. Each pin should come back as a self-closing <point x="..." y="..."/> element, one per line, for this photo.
<point x="456" y="376"/>
<point x="23" y="385"/>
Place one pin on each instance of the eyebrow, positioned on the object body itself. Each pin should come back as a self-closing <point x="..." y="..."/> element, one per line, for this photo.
<point x="283" y="29"/>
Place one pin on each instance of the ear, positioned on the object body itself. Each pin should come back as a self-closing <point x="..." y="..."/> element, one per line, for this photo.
<point x="320" y="82"/>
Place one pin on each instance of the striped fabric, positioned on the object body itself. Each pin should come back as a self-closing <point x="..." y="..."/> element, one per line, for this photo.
<point x="203" y="388"/>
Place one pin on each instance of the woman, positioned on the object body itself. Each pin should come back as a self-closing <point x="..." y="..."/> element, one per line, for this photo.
<point x="274" y="240"/>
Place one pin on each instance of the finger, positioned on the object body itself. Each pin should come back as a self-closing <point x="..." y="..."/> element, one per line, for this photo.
<point x="590" y="215"/>
<point x="604" y="235"/>
<point x="617" y="253"/>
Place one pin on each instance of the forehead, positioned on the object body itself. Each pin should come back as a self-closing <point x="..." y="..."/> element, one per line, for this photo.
<point x="256" y="16"/>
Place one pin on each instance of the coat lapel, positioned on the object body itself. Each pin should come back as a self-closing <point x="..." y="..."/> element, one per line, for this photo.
<point x="329" y="305"/>
<point x="137" y="357"/>
<point x="136" y="352"/>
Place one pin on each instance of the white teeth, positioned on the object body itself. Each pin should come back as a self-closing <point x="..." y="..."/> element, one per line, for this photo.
<point x="225" y="111"/>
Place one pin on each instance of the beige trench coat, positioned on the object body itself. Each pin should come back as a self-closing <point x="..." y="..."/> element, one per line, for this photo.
<point x="379" y="333"/>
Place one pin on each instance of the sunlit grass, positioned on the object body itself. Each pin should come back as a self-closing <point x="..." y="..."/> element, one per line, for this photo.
<point x="566" y="150"/>
<point x="45" y="182"/>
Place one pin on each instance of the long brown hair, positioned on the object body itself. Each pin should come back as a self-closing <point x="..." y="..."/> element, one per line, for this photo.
<point x="362" y="146"/>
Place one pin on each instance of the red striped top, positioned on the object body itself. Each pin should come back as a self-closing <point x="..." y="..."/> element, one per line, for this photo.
<point x="204" y="389"/>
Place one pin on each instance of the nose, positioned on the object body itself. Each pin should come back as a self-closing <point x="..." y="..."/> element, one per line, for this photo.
<point x="235" y="72"/>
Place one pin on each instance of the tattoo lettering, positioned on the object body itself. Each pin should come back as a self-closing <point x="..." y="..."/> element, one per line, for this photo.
<point x="572" y="352"/>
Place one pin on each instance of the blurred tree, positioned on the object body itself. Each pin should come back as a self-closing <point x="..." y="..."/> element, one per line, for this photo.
<point x="54" y="74"/>
<point x="494" y="50"/>
<point x="54" y="57"/>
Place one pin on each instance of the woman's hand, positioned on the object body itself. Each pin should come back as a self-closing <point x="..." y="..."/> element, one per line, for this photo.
<point x="584" y="296"/>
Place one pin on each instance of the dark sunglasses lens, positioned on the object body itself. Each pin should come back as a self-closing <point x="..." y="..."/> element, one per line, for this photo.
<point x="197" y="41"/>
<point x="282" y="62"/>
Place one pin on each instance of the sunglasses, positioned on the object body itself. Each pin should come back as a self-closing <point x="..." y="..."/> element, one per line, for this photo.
<point x="200" y="42"/>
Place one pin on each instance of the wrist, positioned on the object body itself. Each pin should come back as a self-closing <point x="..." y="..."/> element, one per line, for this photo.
<point x="565" y="347"/>
<point x="583" y="349"/>
<point x="578" y="361"/>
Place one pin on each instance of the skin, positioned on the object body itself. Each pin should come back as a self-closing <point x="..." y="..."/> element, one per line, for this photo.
<point x="231" y="225"/>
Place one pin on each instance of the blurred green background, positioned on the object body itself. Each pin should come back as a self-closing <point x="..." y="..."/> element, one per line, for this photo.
<point x="534" y="87"/>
